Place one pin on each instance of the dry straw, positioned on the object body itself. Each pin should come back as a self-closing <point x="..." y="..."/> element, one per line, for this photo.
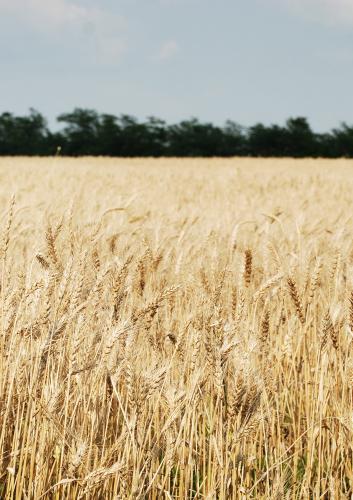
<point x="143" y="355"/>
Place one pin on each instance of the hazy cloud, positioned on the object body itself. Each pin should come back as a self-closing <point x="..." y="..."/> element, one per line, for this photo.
<point x="168" y="50"/>
<point x="328" y="11"/>
<point x="51" y="14"/>
<point x="57" y="17"/>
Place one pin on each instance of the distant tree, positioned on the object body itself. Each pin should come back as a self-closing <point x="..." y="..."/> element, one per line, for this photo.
<point x="108" y="136"/>
<point x="80" y="133"/>
<point x="267" y="141"/>
<point x="234" y="141"/>
<point x="86" y="132"/>
<point x="342" y="143"/>
<point x="23" y="135"/>
<point x="300" y="139"/>
<point x="157" y="132"/>
<point x="135" y="137"/>
<point x="192" y="138"/>
<point x="326" y="146"/>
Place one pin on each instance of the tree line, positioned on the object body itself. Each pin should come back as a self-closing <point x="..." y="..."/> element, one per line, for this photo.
<point x="86" y="132"/>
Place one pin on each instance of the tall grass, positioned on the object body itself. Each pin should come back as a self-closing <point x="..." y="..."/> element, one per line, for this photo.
<point x="176" y="329"/>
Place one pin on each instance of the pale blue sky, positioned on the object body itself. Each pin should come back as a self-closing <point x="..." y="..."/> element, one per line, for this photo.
<point x="246" y="60"/>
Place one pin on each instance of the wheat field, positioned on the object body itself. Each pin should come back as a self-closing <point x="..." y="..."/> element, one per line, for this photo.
<point x="176" y="329"/>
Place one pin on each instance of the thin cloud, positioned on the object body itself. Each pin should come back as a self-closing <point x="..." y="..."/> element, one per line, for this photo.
<point x="327" y="11"/>
<point x="56" y="17"/>
<point x="168" y="50"/>
<point x="48" y="15"/>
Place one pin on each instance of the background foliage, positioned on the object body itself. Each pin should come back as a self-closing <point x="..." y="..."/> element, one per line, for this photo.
<point x="86" y="132"/>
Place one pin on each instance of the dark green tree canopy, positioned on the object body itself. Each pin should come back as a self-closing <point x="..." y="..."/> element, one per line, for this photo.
<point x="86" y="132"/>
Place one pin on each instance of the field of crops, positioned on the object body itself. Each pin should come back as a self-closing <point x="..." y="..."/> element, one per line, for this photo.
<point x="176" y="329"/>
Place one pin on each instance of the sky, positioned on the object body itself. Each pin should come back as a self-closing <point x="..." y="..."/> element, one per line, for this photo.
<point x="248" y="61"/>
